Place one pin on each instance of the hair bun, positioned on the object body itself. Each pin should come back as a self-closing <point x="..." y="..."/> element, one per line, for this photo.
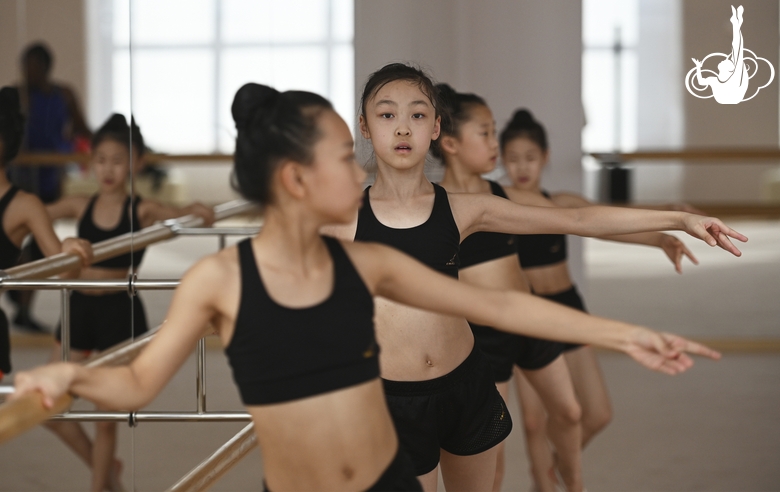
<point x="249" y="99"/>
<point x="522" y="117"/>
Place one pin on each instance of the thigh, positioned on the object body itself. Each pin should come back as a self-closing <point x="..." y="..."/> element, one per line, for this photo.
<point x="469" y="473"/>
<point x="554" y="386"/>
<point x="588" y="380"/>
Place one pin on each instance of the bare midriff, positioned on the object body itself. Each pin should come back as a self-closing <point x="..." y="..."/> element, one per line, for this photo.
<point x="418" y="345"/>
<point x="549" y="279"/>
<point x="342" y="440"/>
<point x="97" y="273"/>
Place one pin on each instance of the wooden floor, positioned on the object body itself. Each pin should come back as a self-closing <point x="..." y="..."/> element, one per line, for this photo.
<point x="713" y="428"/>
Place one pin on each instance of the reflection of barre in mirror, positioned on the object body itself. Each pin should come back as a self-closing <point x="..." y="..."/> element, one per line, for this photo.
<point x="730" y="84"/>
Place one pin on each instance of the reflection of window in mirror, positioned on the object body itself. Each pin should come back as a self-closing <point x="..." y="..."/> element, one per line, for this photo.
<point x="190" y="56"/>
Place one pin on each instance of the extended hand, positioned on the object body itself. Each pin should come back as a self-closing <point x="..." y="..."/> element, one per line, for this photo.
<point x="52" y="380"/>
<point x="665" y="352"/>
<point x="697" y="62"/>
<point x="713" y="232"/>
<point x="675" y="250"/>
<point x="78" y="246"/>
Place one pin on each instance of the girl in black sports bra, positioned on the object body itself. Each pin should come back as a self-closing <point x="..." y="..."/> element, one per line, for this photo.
<point x="21" y="213"/>
<point x="543" y="257"/>
<point x="468" y="149"/>
<point x="102" y="319"/>
<point x="425" y="355"/>
<point x="319" y="412"/>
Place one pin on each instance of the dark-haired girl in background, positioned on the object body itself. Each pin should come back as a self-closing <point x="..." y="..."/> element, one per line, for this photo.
<point x="524" y="152"/>
<point x="101" y="319"/>
<point x="294" y="311"/>
<point x="439" y="386"/>
<point x="21" y="213"/>
<point x="468" y="148"/>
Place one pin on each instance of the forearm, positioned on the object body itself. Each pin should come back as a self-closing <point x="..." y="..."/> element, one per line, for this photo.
<point x="533" y="316"/>
<point x="599" y="221"/>
<point x="113" y="387"/>
<point x="646" y="238"/>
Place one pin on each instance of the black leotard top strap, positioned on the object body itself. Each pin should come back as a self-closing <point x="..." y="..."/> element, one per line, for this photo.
<point x="92" y="233"/>
<point x="486" y="246"/>
<point x="9" y="252"/>
<point x="535" y="250"/>
<point x="280" y="354"/>
<point x="435" y="242"/>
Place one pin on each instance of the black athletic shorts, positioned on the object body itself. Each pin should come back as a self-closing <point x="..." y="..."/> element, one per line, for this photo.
<point x="5" y="345"/>
<point x="398" y="476"/>
<point x="505" y="350"/>
<point x="572" y="299"/>
<point x="460" y="412"/>
<point x="100" y="322"/>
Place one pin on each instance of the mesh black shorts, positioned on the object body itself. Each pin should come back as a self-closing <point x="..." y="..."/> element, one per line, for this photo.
<point x="505" y="350"/>
<point x="461" y="413"/>
<point x="398" y="477"/>
<point x="572" y="299"/>
<point x="100" y="322"/>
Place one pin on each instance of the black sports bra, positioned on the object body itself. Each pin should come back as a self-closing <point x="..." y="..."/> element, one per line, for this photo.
<point x="280" y="354"/>
<point x="9" y="252"/>
<point x="486" y="246"/>
<point x="435" y="242"/>
<point x="535" y="250"/>
<point x="92" y="233"/>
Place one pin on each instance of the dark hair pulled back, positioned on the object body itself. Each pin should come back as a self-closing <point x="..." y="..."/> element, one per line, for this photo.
<point x="11" y="123"/>
<point x="400" y="71"/>
<point x="40" y="52"/>
<point x="524" y="125"/>
<point x="272" y="127"/>
<point x="456" y="110"/>
<point x="117" y="130"/>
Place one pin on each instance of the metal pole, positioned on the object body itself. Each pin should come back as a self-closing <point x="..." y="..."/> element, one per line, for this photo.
<point x="65" y="323"/>
<point x="153" y="417"/>
<point x="78" y="284"/>
<point x="221" y="241"/>
<point x="200" y="382"/>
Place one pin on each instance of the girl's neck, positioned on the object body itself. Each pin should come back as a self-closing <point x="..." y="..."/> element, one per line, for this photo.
<point x="458" y="179"/>
<point x="291" y="237"/>
<point x="400" y="184"/>
<point x="118" y="194"/>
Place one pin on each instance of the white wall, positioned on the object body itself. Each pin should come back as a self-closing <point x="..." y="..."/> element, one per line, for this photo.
<point x="512" y="52"/>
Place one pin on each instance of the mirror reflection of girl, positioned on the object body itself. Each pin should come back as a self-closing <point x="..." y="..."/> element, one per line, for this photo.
<point x="22" y="214"/>
<point x="102" y="319"/>
<point x="295" y="311"/>
<point x="439" y="387"/>
<point x="525" y="153"/>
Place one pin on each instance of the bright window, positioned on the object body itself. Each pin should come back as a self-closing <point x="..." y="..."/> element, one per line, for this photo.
<point x="189" y="57"/>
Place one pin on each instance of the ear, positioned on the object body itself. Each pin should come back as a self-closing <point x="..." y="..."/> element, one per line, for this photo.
<point x="364" y="127"/>
<point x="436" y="129"/>
<point x="290" y="177"/>
<point x="545" y="157"/>
<point x="449" y="144"/>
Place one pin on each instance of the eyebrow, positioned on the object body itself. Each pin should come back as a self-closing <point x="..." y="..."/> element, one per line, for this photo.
<point x="419" y="102"/>
<point x="386" y="101"/>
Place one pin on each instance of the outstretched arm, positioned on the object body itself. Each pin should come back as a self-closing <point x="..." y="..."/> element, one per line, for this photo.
<point x="480" y="212"/>
<point x="131" y="387"/>
<point x="402" y="279"/>
<point x="673" y="247"/>
<point x="701" y="80"/>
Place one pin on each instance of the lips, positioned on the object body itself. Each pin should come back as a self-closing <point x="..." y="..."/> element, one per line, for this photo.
<point x="403" y="147"/>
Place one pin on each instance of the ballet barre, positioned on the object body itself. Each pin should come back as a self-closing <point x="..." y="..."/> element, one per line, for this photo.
<point x="60" y="159"/>
<point x="203" y="476"/>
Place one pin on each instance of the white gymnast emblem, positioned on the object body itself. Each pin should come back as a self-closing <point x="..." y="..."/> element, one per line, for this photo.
<point x="730" y="84"/>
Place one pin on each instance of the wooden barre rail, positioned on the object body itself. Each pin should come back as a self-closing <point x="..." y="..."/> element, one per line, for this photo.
<point x="19" y="416"/>
<point x="58" y="159"/>
<point x="695" y="156"/>
<point x="206" y="474"/>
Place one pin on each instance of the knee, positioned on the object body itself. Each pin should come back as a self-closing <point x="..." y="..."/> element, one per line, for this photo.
<point x="534" y="423"/>
<point x="595" y="421"/>
<point x="569" y="414"/>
